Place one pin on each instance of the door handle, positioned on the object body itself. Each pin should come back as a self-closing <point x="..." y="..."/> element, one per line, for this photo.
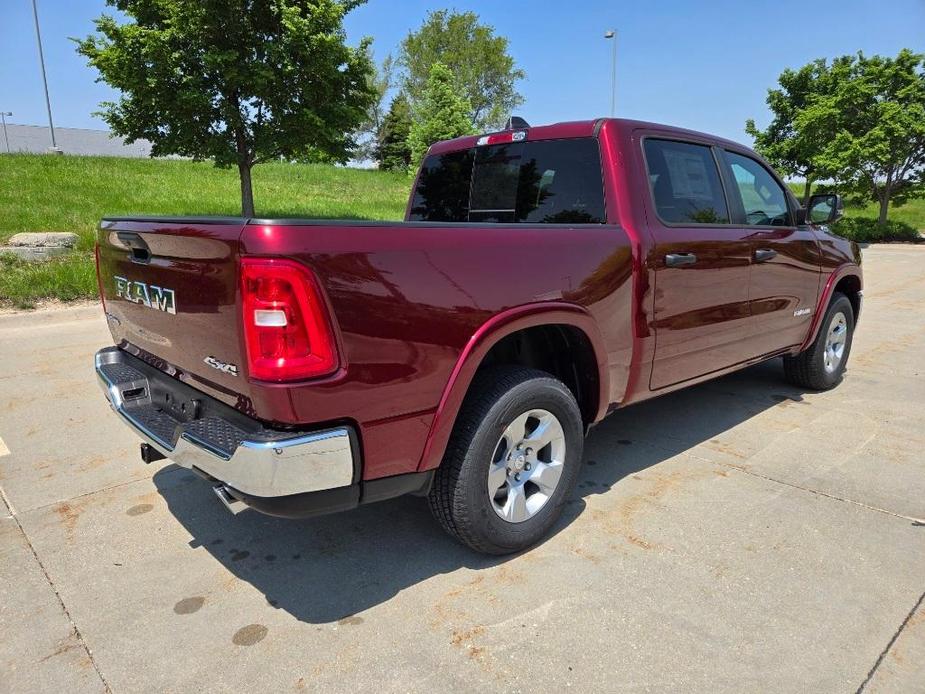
<point x="764" y="254"/>
<point x="678" y="259"/>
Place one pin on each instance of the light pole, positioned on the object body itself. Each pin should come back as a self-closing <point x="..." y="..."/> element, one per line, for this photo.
<point x="3" y="115"/>
<point x="38" y="37"/>
<point x="612" y="34"/>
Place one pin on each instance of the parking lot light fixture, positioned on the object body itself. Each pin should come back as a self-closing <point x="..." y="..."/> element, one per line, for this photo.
<point x="611" y="34"/>
<point x="54" y="149"/>
<point x="3" y="115"/>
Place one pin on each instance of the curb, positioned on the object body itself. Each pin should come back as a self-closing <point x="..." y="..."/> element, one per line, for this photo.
<point x="29" y="318"/>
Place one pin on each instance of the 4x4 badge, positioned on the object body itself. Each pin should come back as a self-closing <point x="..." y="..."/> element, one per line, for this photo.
<point x="224" y="367"/>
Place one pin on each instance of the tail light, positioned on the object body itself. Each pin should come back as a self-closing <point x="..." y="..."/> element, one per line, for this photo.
<point x="287" y="330"/>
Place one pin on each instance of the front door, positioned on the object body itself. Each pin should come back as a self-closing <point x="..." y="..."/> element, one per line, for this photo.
<point x="785" y="272"/>
<point x="702" y="263"/>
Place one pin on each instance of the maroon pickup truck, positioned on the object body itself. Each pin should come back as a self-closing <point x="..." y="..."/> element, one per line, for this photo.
<point x="544" y="277"/>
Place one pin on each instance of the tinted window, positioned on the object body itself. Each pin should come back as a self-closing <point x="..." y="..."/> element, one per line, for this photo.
<point x="762" y="197"/>
<point x="442" y="193"/>
<point x="545" y="182"/>
<point x="685" y="183"/>
<point x="494" y="184"/>
<point x="560" y="183"/>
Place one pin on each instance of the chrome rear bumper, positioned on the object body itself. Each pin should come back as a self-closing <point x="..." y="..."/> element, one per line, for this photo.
<point x="222" y="443"/>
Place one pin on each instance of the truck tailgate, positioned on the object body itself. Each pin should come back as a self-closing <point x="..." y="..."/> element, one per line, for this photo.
<point x="171" y="295"/>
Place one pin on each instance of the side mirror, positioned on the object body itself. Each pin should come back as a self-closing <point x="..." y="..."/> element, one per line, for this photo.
<point x="824" y="209"/>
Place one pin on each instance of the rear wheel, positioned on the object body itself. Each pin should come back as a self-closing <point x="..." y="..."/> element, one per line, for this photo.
<point x="822" y="365"/>
<point x="511" y="462"/>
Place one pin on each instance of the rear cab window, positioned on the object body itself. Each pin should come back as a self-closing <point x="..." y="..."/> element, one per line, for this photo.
<point x="542" y="182"/>
<point x="442" y="192"/>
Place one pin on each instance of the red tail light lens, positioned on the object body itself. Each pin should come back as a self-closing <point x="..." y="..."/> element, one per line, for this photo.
<point x="287" y="330"/>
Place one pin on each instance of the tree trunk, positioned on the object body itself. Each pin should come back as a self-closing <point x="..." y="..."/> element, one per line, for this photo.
<point x="807" y="191"/>
<point x="247" y="191"/>
<point x="884" y="207"/>
<point x="884" y="196"/>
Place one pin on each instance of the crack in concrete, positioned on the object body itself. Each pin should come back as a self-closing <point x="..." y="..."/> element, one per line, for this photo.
<point x="166" y="470"/>
<point x="889" y="645"/>
<point x="70" y="619"/>
<point x="817" y="492"/>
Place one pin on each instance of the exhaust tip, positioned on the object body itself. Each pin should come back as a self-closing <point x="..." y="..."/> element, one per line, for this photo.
<point x="231" y="502"/>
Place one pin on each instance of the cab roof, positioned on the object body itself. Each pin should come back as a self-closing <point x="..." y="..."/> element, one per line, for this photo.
<point x="579" y="128"/>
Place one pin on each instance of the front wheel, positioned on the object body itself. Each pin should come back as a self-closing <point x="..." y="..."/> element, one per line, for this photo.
<point x="511" y="462"/>
<point x="822" y="365"/>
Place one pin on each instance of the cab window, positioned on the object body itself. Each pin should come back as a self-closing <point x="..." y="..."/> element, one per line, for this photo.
<point x="442" y="192"/>
<point x="542" y="182"/>
<point x="763" y="199"/>
<point x="685" y="183"/>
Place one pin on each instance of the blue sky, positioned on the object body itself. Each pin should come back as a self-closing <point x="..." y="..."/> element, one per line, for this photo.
<point x="702" y="65"/>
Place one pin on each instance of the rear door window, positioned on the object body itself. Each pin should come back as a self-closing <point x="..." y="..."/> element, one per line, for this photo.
<point x="685" y="183"/>
<point x="544" y="182"/>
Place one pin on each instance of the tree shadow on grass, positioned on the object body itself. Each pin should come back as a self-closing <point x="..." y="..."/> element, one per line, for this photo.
<point x="325" y="569"/>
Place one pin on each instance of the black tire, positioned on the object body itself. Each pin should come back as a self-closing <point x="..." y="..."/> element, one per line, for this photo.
<point x="459" y="497"/>
<point x="808" y="368"/>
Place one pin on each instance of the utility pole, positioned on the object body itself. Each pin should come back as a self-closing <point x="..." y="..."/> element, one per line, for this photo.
<point x="3" y="115"/>
<point x="612" y="35"/>
<point x="38" y="37"/>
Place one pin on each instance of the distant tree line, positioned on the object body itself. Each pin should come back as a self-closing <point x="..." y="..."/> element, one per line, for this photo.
<point x="857" y="121"/>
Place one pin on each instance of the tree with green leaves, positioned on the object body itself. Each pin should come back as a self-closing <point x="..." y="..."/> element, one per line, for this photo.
<point x="478" y="59"/>
<point x="872" y="123"/>
<point x="792" y="152"/>
<point x="369" y="135"/>
<point x="239" y="83"/>
<point x="393" y="152"/>
<point x="442" y="113"/>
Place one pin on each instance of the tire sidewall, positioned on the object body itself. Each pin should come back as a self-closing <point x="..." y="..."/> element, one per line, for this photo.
<point x="841" y="304"/>
<point x="538" y="393"/>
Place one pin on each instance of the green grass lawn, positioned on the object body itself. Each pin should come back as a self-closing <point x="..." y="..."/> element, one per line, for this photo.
<point x="72" y="193"/>
<point x="912" y="213"/>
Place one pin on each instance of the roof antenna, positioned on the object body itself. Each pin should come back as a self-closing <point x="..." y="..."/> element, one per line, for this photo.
<point x="515" y="123"/>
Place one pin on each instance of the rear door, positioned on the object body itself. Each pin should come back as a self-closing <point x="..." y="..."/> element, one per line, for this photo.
<point x="171" y="290"/>
<point x="785" y="274"/>
<point x="701" y="261"/>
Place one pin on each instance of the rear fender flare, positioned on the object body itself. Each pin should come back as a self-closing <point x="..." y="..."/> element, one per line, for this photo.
<point x="842" y="271"/>
<point x="481" y="342"/>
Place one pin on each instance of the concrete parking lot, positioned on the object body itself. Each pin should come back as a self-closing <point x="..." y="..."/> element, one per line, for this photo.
<point x="738" y="536"/>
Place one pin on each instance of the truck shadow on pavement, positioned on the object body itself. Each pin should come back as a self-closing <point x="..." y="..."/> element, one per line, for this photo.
<point x="326" y="569"/>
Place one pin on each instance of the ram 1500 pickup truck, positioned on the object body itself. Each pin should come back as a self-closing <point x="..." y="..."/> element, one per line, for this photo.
<point x="543" y="277"/>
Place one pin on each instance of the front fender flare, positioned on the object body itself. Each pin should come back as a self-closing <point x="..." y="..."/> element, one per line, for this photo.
<point x="489" y="333"/>
<point x="825" y="296"/>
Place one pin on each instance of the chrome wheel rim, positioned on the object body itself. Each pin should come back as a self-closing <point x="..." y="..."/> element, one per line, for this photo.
<point x="526" y="465"/>
<point x="835" y="341"/>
